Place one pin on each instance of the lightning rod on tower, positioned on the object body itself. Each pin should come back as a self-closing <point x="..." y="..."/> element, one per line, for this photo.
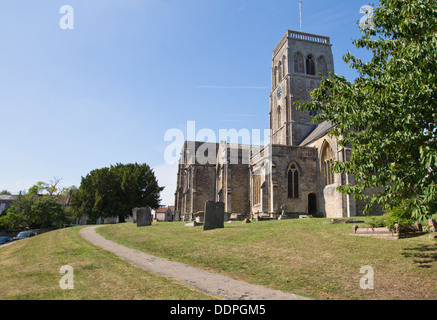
<point x="300" y="14"/>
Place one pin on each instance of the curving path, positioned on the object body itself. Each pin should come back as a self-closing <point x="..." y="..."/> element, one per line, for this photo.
<point x="208" y="282"/>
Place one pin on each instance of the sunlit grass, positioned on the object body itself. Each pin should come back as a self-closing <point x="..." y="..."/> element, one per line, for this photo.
<point x="303" y="256"/>
<point x="30" y="269"/>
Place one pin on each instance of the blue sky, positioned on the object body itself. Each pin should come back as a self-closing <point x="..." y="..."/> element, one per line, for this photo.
<point x="107" y="91"/>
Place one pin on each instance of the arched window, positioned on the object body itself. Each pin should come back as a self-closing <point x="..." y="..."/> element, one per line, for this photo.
<point x="327" y="158"/>
<point x="278" y="114"/>
<point x="284" y="70"/>
<point x="275" y="72"/>
<point x="322" y="66"/>
<point x="293" y="182"/>
<point x="256" y="189"/>
<point x="279" y="71"/>
<point x="298" y="63"/>
<point x="311" y="69"/>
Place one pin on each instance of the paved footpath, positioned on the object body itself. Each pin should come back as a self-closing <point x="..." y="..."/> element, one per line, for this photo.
<point x="208" y="282"/>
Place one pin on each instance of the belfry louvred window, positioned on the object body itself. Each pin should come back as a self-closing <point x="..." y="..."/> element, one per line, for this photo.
<point x="311" y="69"/>
<point x="298" y="63"/>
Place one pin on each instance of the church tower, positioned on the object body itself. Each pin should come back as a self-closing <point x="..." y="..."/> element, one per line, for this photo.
<point x="298" y="60"/>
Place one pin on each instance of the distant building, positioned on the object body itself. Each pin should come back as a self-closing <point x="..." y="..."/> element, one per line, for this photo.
<point x="6" y="202"/>
<point x="61" y="199"/>
<point x="164" y="213"/>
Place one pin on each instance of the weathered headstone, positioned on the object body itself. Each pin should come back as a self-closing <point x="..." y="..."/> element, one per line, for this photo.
<point x="143" y="216"/>
<point x="338" y="221"/>
<point x="199" y="216"/>
<point x="283" y="214"/>
<point x="134" y="215"/>
<point x="193" y="224"/>
<point x="236" y="216"/>
<point x="354" y="229"/>
<point x="214" y="215"/>
<point x="372" y="231"/>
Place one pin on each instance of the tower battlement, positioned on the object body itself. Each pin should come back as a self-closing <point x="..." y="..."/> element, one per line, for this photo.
<point x="303" y="36"/>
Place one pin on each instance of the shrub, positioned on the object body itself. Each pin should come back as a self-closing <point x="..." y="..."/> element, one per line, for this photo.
<point x="377" y="222"/>
<point x="399" y="214"/>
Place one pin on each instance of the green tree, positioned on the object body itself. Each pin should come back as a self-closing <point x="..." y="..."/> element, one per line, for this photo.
<point x="46" y="212"/>
<point x="388" y="114"/>
<point x="19" y="215"/>
<point x="35" y="212"/>
<point x="138" y="188"/>
<point x="115" y="191"/>
<point x="51" y="188"/>
<point x="12" y="221"/>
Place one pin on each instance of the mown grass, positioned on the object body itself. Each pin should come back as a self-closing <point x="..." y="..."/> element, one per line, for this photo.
<point x="303" y="256"/>
<point x="30" y="270"/>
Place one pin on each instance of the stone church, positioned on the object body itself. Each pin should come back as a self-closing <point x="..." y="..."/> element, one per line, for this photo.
<point x="292" y="174"/>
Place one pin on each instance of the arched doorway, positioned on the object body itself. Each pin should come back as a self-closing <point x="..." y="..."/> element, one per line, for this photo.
<point x="312" y="204"/>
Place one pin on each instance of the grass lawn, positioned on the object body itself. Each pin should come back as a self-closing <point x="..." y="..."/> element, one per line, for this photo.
<point x="302" y="256"/>
<point x="30" y="269"/>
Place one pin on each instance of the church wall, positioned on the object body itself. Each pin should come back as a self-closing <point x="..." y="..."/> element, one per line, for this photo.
<point x="204" y="186"/>
<point x="238" y="180"/>
<point x="306" y="162"/>
<point x="233" y="178"/>
<point x="331" y="202"/>
<point x="195" y="181"/>
<point x="258" y="188"/>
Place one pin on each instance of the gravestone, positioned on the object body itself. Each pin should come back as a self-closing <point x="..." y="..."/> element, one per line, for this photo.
<point x="338" y="221"/>
<point x="354" y="229"/>
<point x="283" y="214"/>
<point x="143" y="216"/>
<point x="193" y="224"/>
<point x="199" y="216"/>
<point x="237" y="216"/>
<point x="134" y="215"/>
<point x="214" y="215"/>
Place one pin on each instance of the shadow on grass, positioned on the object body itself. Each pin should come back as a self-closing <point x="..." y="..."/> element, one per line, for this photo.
<point x="424" y="255"/>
